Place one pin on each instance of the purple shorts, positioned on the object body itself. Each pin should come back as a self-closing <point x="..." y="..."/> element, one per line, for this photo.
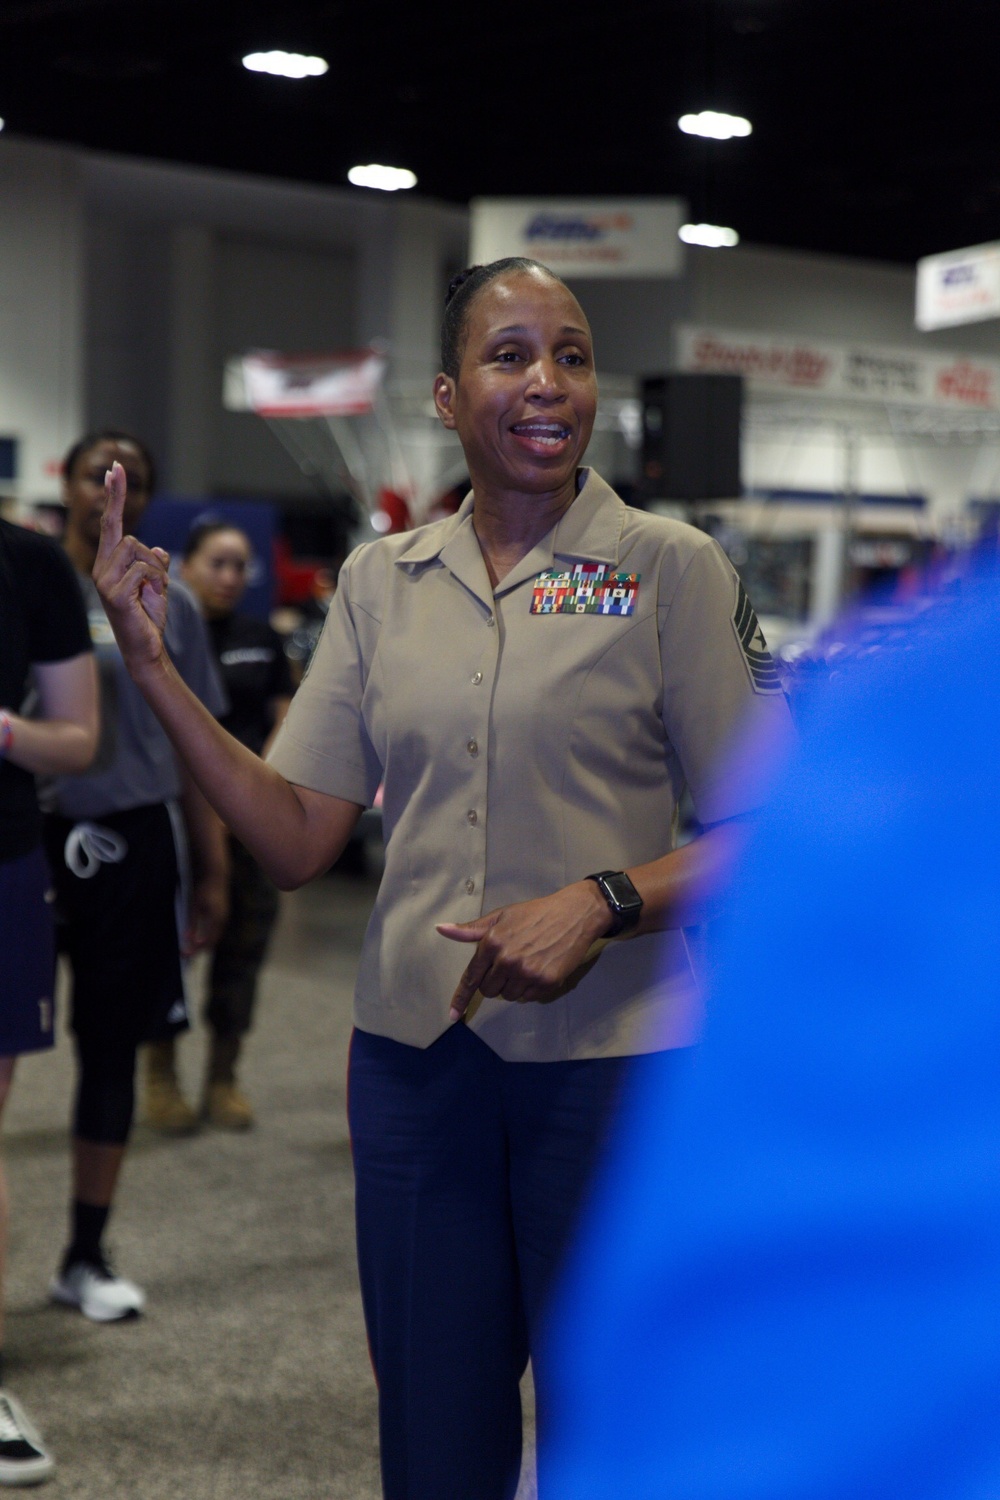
<point x="27" y="955"/>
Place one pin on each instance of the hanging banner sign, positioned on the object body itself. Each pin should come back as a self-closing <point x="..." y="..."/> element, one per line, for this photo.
<point x="962" y="286"/>
<point x="855" y="373"/>
<point x="312" y="385"/>
<point x="616" y="237"/>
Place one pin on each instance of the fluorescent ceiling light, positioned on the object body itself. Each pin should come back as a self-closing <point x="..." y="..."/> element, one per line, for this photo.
<point x="717" y="127"/>
<point x="389" y="179"/>
<point x="286" y="64"/>
<point x="712" y="235"/>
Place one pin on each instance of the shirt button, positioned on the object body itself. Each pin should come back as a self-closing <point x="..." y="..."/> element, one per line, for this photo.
<point x="477" y="678"/>
<point x="473" y="747"/>
<point x="471" y="817"/>
<point x="490" y="620"/>
<point x="470" y="886"/>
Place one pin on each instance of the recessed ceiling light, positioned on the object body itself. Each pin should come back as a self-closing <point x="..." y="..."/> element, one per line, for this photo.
<point x="286" y="64"/>
<point x="712" y="235"/>
<point x="389" y="179"/>
<point x="717" y="127"/>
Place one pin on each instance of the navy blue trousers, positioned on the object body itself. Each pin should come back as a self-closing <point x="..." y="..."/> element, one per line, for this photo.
<point x="470" y="1175"/>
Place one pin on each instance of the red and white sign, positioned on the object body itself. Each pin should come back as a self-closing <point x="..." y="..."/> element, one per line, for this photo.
<point x="900" y="377"/>
<point x="312" y="385"/>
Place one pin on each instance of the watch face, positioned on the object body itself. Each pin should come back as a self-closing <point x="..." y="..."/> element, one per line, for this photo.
<point x="623" y="892"/>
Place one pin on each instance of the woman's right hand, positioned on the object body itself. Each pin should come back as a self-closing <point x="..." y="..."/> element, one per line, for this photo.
<point x="132" y="582"/>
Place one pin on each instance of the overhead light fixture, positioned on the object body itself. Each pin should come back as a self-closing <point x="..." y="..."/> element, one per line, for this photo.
<point x="715" y="126"/>
<point x="286" y="64"/>
<point x="2" y="123"/>
<point x="389" y="179"/>
<point x="714" y="236"/>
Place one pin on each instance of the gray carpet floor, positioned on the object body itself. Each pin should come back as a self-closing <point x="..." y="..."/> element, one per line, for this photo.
<point x="249" y="1376"/>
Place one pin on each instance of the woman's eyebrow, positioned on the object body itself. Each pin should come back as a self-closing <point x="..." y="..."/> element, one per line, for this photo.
<point x="522" y="328"/>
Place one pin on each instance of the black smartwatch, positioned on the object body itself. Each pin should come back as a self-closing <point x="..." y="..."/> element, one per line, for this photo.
<point x="624" y="901"/>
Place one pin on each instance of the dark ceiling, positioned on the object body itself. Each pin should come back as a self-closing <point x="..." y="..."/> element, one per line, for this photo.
<point x="874" y="120"/>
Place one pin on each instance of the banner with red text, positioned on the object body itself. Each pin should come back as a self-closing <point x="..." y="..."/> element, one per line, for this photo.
<point x="803" y="366"/>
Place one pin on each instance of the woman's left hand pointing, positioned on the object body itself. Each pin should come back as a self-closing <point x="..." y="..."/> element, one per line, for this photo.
<point x="527" y="951"/>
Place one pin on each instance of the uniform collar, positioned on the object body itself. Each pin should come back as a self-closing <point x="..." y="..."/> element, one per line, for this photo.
<point x="454" y="544"/>
<point x="590" y="531"/>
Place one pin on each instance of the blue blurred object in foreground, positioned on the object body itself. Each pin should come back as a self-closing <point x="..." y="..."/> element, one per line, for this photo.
<point x="790" y="1284"/>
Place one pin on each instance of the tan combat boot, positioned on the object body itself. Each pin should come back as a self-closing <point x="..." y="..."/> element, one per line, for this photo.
<point x="225" y="1105"/>
<point x="166" y="1107"/>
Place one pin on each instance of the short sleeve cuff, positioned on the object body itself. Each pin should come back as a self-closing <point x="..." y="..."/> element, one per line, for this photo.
<point x="334" y="776"/>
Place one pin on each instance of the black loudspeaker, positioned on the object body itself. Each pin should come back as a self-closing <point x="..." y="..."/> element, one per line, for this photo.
<point x="691" y="437"/>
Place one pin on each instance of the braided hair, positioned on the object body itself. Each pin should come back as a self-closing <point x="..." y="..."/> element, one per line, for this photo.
<point x="462" y="292"/>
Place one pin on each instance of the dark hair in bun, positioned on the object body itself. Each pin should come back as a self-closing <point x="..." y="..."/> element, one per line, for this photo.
<point x="208" y="527"/>
<point x="462" y="292"/>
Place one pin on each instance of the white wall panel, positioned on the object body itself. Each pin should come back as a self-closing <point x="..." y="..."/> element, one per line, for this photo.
<point x="41" y="281"/>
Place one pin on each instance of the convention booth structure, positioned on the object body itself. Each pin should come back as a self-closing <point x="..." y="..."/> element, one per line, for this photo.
<point x="859" y="464"/>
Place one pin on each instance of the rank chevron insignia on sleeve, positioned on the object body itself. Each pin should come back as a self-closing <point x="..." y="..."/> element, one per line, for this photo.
<point x="759" y="661"/>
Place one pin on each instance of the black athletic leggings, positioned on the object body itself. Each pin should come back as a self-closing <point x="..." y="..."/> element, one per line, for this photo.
<point x="105" y="1094"/>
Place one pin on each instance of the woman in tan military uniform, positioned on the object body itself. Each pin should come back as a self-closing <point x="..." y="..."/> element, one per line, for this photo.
<point x="536" y="680"/>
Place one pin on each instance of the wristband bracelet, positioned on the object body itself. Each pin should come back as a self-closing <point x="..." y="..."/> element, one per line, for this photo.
<point x="6" y="733"/>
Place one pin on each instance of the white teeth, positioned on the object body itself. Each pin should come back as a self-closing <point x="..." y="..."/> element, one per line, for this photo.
<point x="549" y="433"/>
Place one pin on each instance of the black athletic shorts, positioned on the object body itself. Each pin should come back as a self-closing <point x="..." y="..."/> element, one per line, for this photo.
<point x="118" y="885"/>
<point x="27" y="956"/>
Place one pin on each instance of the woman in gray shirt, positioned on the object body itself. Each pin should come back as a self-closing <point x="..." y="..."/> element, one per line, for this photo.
<point x="117" y="842"/>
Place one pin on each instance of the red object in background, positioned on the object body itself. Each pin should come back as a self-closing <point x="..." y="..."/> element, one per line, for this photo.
<point x="299" y="581"/>
<point x="296" y="580"/>
<point x="394" y="507"/>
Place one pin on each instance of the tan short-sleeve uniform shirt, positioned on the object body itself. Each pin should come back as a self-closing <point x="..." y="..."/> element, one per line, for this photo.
<point x="527" y="737"/>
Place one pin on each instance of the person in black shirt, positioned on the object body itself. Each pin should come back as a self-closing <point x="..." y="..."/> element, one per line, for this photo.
<point x="44" y="644"/>
<point x="256" y="676"/>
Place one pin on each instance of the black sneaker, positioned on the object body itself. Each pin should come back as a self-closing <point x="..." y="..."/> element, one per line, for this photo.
<point x="23" y="1459"/>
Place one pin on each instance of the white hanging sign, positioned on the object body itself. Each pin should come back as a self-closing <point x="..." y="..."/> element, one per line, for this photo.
<point x="962" y="286"/>
<point x="312" y="385"/>
<point x="605" y="237"/>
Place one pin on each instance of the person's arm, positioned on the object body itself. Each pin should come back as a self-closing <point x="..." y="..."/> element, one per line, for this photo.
<point x="279" y="708"/>
<point x="528" y="950"/>
<point x="209" y="905"/>
<point x="62" y="741"/>
<point x="292" y="832"/>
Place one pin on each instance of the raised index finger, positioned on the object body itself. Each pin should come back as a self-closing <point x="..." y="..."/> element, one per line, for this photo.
<point x="115" y="486"/>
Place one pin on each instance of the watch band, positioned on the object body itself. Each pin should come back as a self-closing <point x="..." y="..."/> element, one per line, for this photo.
<point x="624" y="901"/>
